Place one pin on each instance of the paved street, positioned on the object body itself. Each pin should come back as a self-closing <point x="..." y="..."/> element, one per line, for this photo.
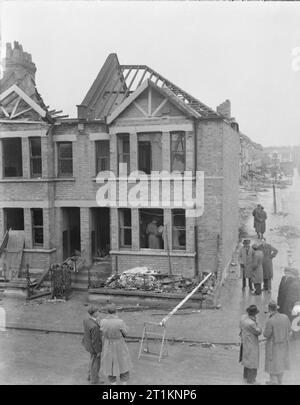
<point x="58" y="358"/>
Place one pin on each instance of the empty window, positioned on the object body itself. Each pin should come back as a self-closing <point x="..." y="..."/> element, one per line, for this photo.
<point x="102" y="156"/>
<point x="124" y="151"/>
<point x="178" y="151"/>
<point x="145" y="156"/>
<point x="149" y="152"/>
<point x="125" y="227"/>
<point x="12" y="157"/>
<point x="14" y="219"/>
<point x="37" y="226"/>
<point x="178" y="229"/>
<point x="65" y="159"/>
<point x="35" y="157"/>
<point x="151" y="228"/>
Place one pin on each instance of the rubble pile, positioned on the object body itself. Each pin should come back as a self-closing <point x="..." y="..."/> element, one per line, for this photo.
<point x="145" y="279"/>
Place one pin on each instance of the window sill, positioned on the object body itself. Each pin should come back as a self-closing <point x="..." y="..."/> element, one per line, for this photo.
<point x="36" y="180"/>
<point x="153" y="252"/>
<point x="39" y="250"/>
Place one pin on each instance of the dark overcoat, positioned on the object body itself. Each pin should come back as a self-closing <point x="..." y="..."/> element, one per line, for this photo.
<point x="92" y="339"/>
<point x="269" y="253"/>
<point x="257" y="267"/>
<point x="246" y="259"/>
<point x="288" y="294"/>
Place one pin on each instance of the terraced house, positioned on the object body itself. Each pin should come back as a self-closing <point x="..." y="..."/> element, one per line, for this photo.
<point x="133" y="115"/>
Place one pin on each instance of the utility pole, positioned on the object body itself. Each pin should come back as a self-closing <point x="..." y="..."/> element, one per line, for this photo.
<point x="274" y="198"/>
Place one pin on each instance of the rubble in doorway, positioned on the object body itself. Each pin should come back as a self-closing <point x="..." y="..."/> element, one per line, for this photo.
<point x="145" y="279"/>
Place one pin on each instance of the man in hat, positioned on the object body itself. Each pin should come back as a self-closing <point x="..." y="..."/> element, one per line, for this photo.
<point x="257" y="268"/>
<point x="260" y="217"/>
<point x="289" y="291"/>
<point x="277" y="332"/>
<point x="245" y="260"/>
<point x="115" y="360"/>
<point x="269" y="253"/>
<point x="249" y="354"/>
<point x="92" y="341"/>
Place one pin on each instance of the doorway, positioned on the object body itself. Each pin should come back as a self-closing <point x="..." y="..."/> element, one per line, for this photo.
<point x="100" y="232"/>
<point x="71" y="231"/>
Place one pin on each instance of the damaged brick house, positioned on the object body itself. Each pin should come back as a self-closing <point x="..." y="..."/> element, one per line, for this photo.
<point x="131" y="114"/>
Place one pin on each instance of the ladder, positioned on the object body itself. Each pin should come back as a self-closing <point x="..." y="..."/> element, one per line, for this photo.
<point x="153" y="329"/>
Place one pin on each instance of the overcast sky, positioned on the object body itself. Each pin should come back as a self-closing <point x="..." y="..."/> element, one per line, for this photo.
<point x="215" y="51"/>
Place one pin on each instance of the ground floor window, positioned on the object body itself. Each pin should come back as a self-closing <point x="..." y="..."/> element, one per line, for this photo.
<point x="37" y="226"/>
<point x="178" y="229"/>
<point x="125" y="227"/>
<point x="14" y="219"/>
<point x="151" y="228"/>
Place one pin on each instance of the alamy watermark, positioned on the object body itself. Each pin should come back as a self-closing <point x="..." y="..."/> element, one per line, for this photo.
<point x="160" y="189"/>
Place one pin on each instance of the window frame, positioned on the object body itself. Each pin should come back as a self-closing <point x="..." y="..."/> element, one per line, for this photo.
<point x="35" y="158"/>
<point x="3" y="140"/>
<point x="179" y="228"/>
<point x="62" y="159"/>
<point x="172" y="152"/>
<point x="120" y="138"/>
<point x="34" y="227"/>
<point x="102" y="156"/>
<point x="123" y="227"/>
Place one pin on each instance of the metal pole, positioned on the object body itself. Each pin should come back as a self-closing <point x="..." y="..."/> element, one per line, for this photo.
<point x="28" y="281"/>
<point x="274" y="198"/>
<point x="166" y="318"/>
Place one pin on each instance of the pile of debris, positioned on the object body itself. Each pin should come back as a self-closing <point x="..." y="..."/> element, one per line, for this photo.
<point x="145" y="279"/>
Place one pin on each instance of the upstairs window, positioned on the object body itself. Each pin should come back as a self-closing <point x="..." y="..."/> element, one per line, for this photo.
<point x="102" y="156"/>
<point x="65" y="159"/>
<point x="12" y="157"/>
<point x="178" y="151"/>
<point x="35" y="157"/>
<point x="124" y="151"/>
<point x="37" y="226"/>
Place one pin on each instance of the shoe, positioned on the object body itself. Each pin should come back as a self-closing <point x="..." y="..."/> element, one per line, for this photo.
<point x="271" y="383"/>
<point x="124" y="383"/>
<point x="254" y="383"/>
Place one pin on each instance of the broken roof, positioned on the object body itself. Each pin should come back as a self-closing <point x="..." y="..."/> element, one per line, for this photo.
<point x="116" y="82"/>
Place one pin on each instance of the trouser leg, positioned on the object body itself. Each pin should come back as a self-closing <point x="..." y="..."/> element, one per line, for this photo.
<point x="95" y="367"/>
<point x="244" y="282"/>
<point x="124" y="377"/>
<point x="250" y="283"/>
<point x="251" y="375"/>
<point x="266" y="284"/>
<point x="245" y="373"/>
<point x="257" y="288"/>
<point x="112" y="379"/>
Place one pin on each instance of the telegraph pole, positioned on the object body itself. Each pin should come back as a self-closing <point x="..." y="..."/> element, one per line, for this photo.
<point x="274" y="198"/>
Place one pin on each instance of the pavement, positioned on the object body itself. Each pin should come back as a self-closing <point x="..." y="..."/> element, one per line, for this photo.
<point x="216" y="326"/>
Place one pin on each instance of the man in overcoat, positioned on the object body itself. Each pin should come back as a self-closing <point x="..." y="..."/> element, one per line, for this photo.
<point x="260" y="217"/>
<point x="250" y="331"/>
<point x="115" y="360"/>
<point x="245" y="260"/>
<point x="257" y="268"/>
<point x="277" y="332"/>
<point x="92" y="341"/>
<point x="269" y="253"/>
<point x="289" y="291"/>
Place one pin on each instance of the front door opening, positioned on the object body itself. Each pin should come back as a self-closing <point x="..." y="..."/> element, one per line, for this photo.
<point x="71" y="231"/>
<point x="100" y="232"/>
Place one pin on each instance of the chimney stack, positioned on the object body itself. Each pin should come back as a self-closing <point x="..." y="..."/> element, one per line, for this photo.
<point x="224" y="109"/>
<point x="18" y="61"/>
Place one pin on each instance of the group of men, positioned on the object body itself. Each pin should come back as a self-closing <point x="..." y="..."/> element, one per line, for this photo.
<point x="256" y="265"/>
<point x="104" y="340"/>
<point x="276" y="331"/>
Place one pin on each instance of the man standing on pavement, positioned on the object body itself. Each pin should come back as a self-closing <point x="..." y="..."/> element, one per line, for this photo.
<point x="277" y="332"/>
<point x="92" y="341"/>
<point x="260" y="217"/>
<point x="115" y="360"/>
<point x="269" y="253"/>
<point x="249" y="354"/>
<point x="245" y="260"/>
<point x="257" y="268"/>
<point x="289" y="291"/>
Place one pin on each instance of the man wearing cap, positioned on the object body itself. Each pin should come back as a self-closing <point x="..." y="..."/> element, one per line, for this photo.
<point x="245" y="260"/>
<point x="289" y="291"/>
<point x="115" y="360"/>
<point x="249" y="354"/>
<point x="277" y="332"/>
<point x="257" y="268"/>
<point x="92" y="341"/>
